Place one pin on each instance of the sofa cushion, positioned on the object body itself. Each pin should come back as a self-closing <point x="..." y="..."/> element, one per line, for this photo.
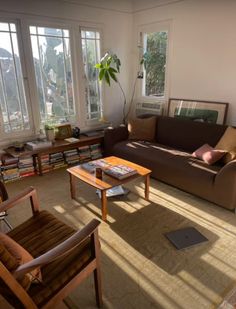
<point x="172" y="166"/>
<point x="230" y="156"/>
<point x="187" y="135"/>
<point x="228" y="143"/>
<point x="208" y="154"/>
<point x="142" y="129"/>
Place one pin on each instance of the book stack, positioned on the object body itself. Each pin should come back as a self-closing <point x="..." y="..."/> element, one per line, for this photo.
<point x="57" y="160"/>
<point x="71" y="156"/>
<point x="9" y="168"/>
<point x="46" y="167"/>
<point x="38" y="144"/>
<point x="84" y="153"/>
<point x="120" y="171"/>
<point x="96" y="151"/>
<point x="26" y="166"/>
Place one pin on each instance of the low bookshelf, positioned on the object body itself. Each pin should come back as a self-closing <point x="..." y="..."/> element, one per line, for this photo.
<point x="60" y="153"/>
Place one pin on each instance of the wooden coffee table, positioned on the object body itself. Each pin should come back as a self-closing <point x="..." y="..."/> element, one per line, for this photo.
<point x="107" y="182"/>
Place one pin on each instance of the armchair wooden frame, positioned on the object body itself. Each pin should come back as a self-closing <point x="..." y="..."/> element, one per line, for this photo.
<point x="90" y="230"/>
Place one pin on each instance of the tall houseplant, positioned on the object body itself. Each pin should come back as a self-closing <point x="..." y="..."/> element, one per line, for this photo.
<point x="109" y="67"/>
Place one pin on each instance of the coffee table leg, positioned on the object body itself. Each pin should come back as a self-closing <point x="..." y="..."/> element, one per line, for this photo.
<point x="147" y="183"/>
<point x="104" y="205"/>
<point x="72" y="186"/>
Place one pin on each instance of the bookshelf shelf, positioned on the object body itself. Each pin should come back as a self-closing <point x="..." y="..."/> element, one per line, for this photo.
<point x="16" y="165"/>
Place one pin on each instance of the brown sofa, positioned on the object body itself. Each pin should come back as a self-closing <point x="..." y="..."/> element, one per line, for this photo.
<point x="169" y="158"/>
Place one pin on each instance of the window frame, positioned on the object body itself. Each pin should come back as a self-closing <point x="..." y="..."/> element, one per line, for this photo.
<point x="151" y="28"/>
<point x="91" y="122"/>
<point x="26" y="132"/>
<point x="75" y="89"/>
<point x="23" y="21"/>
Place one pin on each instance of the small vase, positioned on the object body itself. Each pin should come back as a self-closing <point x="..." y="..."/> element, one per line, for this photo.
<point x="50" y="135"/>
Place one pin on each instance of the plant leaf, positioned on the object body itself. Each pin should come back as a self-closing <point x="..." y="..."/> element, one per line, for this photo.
<point x="101" y="74"/>
<point x="98" y="65"/>
<point x="113" y="76"/>
<point x="112" y="70"/>
<point x="107" y="77"/>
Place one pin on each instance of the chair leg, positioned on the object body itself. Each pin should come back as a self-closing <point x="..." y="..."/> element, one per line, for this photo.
<point x="7" y="223"/>
<point x="98" y="286"/>
<point x="97" y="271"/>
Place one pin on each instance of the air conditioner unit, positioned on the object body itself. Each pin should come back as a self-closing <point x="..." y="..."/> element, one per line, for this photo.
<point x="149" y="108"/>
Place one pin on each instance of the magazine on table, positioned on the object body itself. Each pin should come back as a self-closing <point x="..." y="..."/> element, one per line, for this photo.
<point x="120" y="171"/>
<point x="90" y="166"/>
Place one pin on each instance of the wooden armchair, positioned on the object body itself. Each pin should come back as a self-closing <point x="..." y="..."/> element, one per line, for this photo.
<point x="65" y="257"/>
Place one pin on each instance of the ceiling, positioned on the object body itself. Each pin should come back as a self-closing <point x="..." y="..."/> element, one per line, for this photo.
<point x="128" y="6"/>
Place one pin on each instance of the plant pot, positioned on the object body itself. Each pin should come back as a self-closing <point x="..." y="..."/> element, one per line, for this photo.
<point x="50" y="134"/>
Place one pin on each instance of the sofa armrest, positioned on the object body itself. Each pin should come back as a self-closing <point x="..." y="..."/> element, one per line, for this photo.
<point x="225" y="181"/>
<point x="113" y="136"/>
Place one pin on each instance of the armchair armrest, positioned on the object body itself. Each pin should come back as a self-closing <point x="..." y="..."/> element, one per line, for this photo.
<point x="60" y="250"/>
<point x="27" y="193"/>
<point x="113" y="136"/>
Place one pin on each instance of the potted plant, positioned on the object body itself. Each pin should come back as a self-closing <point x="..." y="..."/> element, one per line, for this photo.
<point x="109" y="67"/>
<point x="50" y="132"/>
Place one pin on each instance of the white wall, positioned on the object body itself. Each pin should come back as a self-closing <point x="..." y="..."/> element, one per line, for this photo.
<point x="203" y="49"/>
<point x="116" y="27"/>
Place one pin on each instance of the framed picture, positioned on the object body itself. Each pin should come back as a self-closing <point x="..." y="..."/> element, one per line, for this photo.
<point x="63" y="131"/>
<point x="203" y="111"/>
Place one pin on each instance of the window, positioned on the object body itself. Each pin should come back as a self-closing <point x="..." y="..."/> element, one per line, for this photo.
<point x="53" y="72"/>
<point x="155" y="55"/>
<point x="91" y="56"/>
<point x="14" y="113"/>
<point x="41" y="76"/>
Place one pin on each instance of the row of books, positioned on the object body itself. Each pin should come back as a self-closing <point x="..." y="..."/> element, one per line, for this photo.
<point x="14" y="168"/>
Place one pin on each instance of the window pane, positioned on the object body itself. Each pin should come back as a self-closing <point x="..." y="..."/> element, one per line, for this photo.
<point x="12" y="95"/>
<point x="49" y="31"/>
<point x="91" y="56"/>
<point x="32" y="30"/>
<point x="90" y="34"/>
<point x="155" y="51"/>
<point x="4" y="27"/>
<point x="13" y="27"/>
<point x="52" y="63"/>
<point x="66" y="33"/>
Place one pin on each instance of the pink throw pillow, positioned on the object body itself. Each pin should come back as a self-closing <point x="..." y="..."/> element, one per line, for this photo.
<point x="208" y="154"/>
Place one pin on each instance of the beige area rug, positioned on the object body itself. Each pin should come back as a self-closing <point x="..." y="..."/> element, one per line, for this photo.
<point x="140" y="268"/>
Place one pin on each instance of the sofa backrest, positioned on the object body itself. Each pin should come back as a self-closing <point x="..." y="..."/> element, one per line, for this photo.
<point x="185" y="134"/>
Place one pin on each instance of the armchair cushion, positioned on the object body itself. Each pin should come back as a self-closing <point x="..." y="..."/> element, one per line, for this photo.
<point x="11" y="263"/>
<point x="21" y="256"/>
<point x="39" y="234"/>
<point x="60" y="272"/>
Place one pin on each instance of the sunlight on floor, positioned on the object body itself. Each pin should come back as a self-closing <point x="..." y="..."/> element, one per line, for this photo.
<point x="141" y="269"/>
